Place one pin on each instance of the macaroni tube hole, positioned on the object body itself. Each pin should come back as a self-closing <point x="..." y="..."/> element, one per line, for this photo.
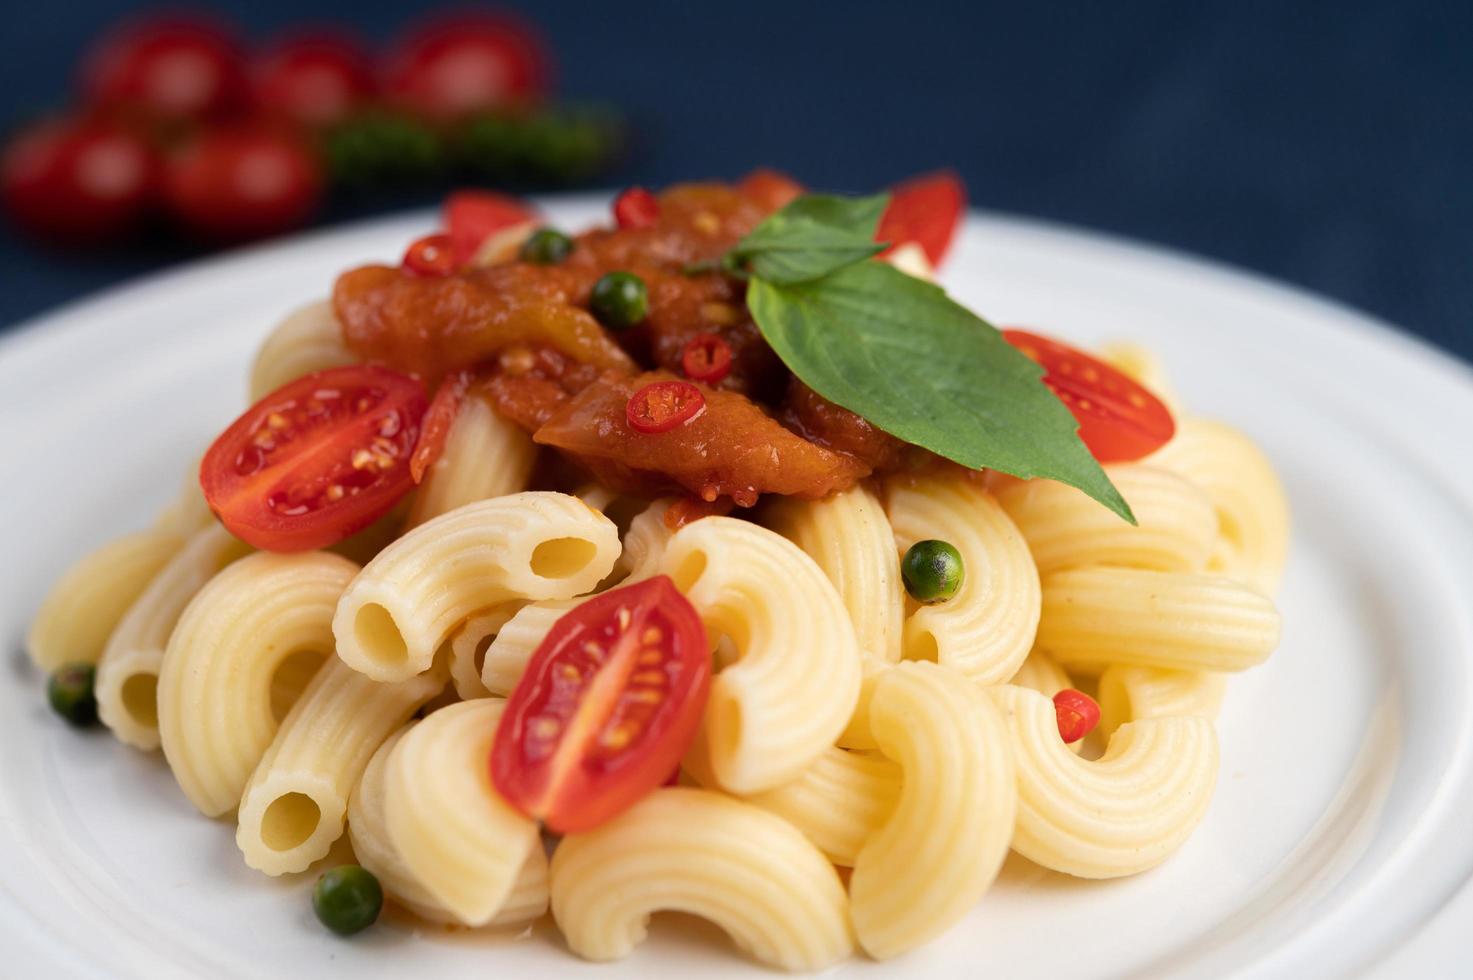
<point x="379" y="635"/>
<point x="562" y="557"/>
<point x="140" y="698"/>
<point x="289" y="821"/>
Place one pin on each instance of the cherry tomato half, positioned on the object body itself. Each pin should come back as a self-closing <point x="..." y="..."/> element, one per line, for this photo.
<point x="243" y="182"/>
<point x="609" y="703"/>
<point x="471" y="217"/>
<point x="78" y="182"/>
<point x="706" y="357"/>
<point x="925" y="210"/>
<point x="317" y="459"/>
<point x="636" y="208"/>
<point x="168" y="68"/>
<point x="662" y="405"/>
<point x="467" y="63"/>
<point x="437" y="423"/>
<point x="314" y="79"/>
<point x="1078" y="714"/>
<point x="1118" y="419"/>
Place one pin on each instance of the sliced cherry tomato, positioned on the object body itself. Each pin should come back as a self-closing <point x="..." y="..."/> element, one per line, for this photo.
<point x="706" y="357"/>
<point x="925" y="210"/>
<point x="474" y="216"/>
<point x="636" y="208"/>
<point x="1078" y="714"/>
<point x="168" y="68"/>
<point x="78" y="182"/>
<point x="1118" y="419"/>
<point x="430" y="257"/>
<point x="437" y="423"/>
<point x="314" y="79"/>
<point x="609" y="703"/>
<point x="317" y="459"/>
<point x="769" y="189"/>
<point x="662" y="405"/>
<point x="467" y="63"/>
<point x="243" y="182"/>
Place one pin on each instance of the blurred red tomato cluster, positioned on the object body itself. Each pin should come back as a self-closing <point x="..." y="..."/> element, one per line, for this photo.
<point x="177" y="118"/>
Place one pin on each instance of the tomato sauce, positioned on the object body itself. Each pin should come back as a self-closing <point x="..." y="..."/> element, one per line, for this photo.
<point x="546" y="363"/>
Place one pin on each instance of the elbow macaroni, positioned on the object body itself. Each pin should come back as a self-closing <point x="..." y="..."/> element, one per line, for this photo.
<point x="986" y="630"/>
<point x="409" y="599"/>
<point x="1135" y="693"/>
<point x="485" y="456"/>
<point x="796" y="677"/>
<point x="216" y="716"/>
<point x="690" y="850"/>
<point x="308" y="340"/>
<point x="1119" y="815"/>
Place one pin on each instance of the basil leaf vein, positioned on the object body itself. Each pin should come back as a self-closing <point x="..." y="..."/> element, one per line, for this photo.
<point x="812" y="237"/>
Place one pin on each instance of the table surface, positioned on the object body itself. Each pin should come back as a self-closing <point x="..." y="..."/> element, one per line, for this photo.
<point x="1326" y="144"/>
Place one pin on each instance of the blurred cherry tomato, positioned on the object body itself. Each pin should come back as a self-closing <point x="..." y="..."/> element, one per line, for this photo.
<point x="315" y="79"/>
<point x="168" y="68"/>
<point x="466" y="63"/>
<point x="78" y="181"/>
<point x="242" y="182"/>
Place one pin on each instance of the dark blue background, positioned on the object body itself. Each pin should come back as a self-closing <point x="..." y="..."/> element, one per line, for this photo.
<point x="1328" y="144"/>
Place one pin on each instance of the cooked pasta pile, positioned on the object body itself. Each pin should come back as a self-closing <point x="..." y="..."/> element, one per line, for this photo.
<point x="357" y="690"/>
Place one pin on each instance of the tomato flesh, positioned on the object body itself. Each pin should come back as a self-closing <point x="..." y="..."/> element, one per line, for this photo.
<point x="608" y="705"/>
<point x="925" y="210"/>
<point x="471" y="217"/>
<point x="1119" y="420"/>
<point x="317" y="459"/>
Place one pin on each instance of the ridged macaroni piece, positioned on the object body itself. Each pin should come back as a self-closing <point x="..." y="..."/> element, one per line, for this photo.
<point x="796" y="676"/>
<point x="1135" y="693"/>
<point x="456" y="835"/>
<point x="1095" y="617"/>
<point x="128" y="671"/>
<point x="1252" y="510"/>
<point x="308" y="340"/>
<point x="1042" y="673"/>
<point x="516" y="639"/>
<point x="986" y="630"/>
<point x="838" y="802"/>
<point x="696" y="851"/>
<point x="470" y="646"/>
<point x="1115" y="816"/>
<point x="1065" y="529"/>
<point x="485" y="456"/>
<point x="849" y="536"/>
<point x="215" y="688"/>
<point x="947" y="836"/>
<point x="412" y="596"/>
<point x="86" y="604"/>
<point x="369" y="833"/>
<point x="293" y="808"/>
<point x="1142" y="364"/>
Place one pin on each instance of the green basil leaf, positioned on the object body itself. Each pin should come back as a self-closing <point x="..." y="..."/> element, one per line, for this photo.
<point x="901" y="353"/>
<point x="811" y="237"/>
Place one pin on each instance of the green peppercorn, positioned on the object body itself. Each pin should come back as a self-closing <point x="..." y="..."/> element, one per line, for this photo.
<point x="347" y="899"/>
<point x="620" y="300"/>
<point x="71" y="695"/>
<point x="546" y="246"/>
<point x="932" y="571"/>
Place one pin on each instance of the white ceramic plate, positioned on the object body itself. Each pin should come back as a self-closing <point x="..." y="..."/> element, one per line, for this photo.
<point x="1341" y="815"/>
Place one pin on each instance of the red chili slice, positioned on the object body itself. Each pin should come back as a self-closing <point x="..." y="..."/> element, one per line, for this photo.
<point x="662" y="405"/>
<point x="317" y="459"/>
<point x="707" y="358"/>
<point x="437" y="423"/>
<point x="430" y="257"/>
<point x="1119" y="420"/>
<point x="609" y="703"/>
<point x="636" y="208"/>
<point x="1078" y="714"/>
